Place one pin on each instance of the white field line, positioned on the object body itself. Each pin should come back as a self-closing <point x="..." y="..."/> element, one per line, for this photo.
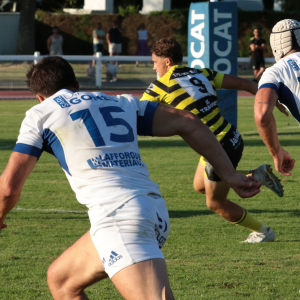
<point x="5" y="147"/>
<point x="51" y="210"/>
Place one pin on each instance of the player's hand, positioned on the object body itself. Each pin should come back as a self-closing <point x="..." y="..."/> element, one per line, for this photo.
<point x="245" y="187"/>
<point x="283" y="162"/>
<point x="282" y="108"/>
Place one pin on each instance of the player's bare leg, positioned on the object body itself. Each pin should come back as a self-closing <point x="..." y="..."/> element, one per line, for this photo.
<point x="216" y="196"/>
<point x="74" y="270"/>
<point x="147" y="280"/>
<point x="259" y="72"/>
<point x="80" y="266"/>
<point x="216" y="200"/>
<point x="199" y="179"/>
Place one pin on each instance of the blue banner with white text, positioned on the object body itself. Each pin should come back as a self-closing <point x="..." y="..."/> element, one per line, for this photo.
<point x="212" y="43"/>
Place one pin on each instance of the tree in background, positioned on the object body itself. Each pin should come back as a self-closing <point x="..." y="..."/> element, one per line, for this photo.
<point x="290" y="5"/>
<point x="26" y="37"/>
<point x="268" y="4"/>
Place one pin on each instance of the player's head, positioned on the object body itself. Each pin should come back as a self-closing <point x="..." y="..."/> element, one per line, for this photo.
<point x="256" y="31"/>
<point x="165" y="54"/>
<point x="55" y="30"/>
<point x="50" y="75"/>
<point x="285" y="37"/>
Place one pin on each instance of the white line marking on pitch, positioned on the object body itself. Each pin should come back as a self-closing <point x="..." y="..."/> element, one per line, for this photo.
<point x="51" y="210"/>
<point x="5" y="147"/>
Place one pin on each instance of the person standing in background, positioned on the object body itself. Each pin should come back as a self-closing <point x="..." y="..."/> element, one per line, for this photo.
<point x="98" y="38"/>
<point x="55" y="42"/>
<point x="257" y="46"/>
<point x="142" y="46"/>
<point x="114" y="37"/>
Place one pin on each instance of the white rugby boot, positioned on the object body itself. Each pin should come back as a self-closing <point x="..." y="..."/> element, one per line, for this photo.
<point x="258" y="237"/>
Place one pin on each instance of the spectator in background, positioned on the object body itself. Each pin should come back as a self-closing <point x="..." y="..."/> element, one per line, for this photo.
<point x="90" y="71"/>
<point x="55" y="42"/>
<point x="98" y="38"/>
<point x="142" y="46"/>
<point x="111" y="72"/>
<point x="114" y="37"/>
<point x="257" y="46"/>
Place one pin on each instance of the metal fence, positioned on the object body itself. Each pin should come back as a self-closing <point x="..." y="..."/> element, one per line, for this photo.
<point x="94" y="72"/>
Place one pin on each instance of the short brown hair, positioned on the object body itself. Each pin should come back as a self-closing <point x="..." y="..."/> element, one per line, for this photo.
<point x="168" y="48"/>
<point x="50" y="75"/>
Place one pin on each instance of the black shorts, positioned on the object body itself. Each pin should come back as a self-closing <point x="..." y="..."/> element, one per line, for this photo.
<point x="257" y="62"/>
<point x="233" y="145"/>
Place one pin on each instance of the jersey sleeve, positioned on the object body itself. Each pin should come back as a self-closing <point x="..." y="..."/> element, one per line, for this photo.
<point x="218" y="79"/>
<point x="30" y="139"/>
<point x="269" y="80"/>
<point x="153" y="93"/>
<point x="146" y="111"/>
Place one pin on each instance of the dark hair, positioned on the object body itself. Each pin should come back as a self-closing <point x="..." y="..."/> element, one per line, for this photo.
<point x="50" y="75"/>
<point x="168" y="48"/>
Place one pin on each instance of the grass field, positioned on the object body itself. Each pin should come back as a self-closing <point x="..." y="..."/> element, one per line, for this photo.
<point x="204" y="257"/>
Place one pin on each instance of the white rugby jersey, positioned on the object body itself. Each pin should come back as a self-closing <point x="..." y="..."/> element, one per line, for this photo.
<point x="284" y="78"/>
<point x="94" y="138"/>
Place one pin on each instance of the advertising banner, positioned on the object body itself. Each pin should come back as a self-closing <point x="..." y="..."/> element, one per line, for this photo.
<point x="212" y="43"/>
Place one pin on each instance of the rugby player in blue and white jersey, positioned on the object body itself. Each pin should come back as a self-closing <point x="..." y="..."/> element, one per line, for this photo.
<point x="94" y="138"/>
<point x="280" y="85"/>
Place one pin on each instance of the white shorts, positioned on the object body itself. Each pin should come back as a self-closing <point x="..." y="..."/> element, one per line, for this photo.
<point x="133" y="233"/>
<point x="115" y="48"/>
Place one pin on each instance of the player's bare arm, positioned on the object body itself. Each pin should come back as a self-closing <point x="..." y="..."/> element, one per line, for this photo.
<point x="169" y="121"/>
<point x="12" y="180"/>
<point x="236" y="83"/>
<point x="265" y="101"/>
<point x="107" y="38"/>
<point x="49" y="42"/>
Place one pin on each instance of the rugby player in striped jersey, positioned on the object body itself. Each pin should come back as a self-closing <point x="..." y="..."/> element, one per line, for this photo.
<point x="194" y="90"/>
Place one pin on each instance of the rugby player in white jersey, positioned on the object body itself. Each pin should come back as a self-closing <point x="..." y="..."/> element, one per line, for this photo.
<point x="280" y="84"/>
<point x="94" y="138"/>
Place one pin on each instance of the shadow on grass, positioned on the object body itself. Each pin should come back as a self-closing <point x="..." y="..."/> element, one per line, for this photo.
<point x="189" y="213"/>
<point x="154" y="143"/>
<point x="259" y="143"/>
<point x="279" y="133"/>
<point x="7" y="144"/>
<point x="193" y="213"/>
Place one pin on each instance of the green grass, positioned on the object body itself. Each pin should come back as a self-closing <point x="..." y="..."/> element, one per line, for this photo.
<point x="205" y="259"/>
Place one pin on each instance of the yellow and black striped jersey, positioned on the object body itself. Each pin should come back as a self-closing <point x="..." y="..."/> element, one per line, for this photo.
<point x="193" y="90"/>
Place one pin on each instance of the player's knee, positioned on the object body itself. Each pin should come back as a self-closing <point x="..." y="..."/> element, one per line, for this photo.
<point x="53" y="277"/>
<point x="215" y="206"/>
<point x="60" y="285"/>
<point x="199" y="189"/>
